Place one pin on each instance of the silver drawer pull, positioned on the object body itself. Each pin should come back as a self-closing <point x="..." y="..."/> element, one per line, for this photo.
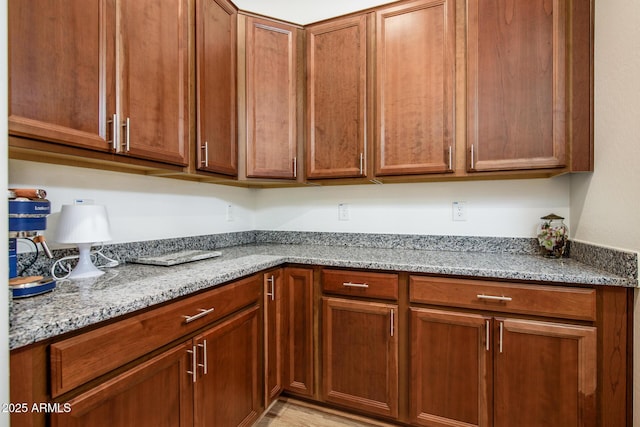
<point x="494" y="297"/>
<point x="203" y="312"/>
<point x="355" y="285"/>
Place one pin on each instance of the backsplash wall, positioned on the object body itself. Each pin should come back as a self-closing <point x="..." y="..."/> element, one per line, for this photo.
<point x="149" y="208"/>
<point x="509" y="208"/>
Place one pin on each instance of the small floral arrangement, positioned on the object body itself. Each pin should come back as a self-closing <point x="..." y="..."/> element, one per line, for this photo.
<point x="552" y="236"/>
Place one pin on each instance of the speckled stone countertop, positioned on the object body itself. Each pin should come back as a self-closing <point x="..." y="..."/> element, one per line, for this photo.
<point x="130" y="287"/>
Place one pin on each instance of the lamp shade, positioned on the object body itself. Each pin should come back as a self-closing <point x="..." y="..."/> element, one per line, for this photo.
<point x="83" y="224"/>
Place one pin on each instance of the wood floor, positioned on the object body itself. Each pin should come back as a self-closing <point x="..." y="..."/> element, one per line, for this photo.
<point x="293" y="413"/>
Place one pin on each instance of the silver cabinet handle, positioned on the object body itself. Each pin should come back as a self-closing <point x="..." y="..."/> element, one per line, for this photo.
<point x="271" y="282"/>
<point x="450" y="158"/>
<point x="203" y="365"/>
<point x="127" y="127"/>
<point x="494" y="298"/>
<point x="114" y="131"/>
<point x="501" y="333"/>
<point x="487" y="335"/>
<point x="205" y="147"/>
<point x="355" y="285"/>
<point x="361" y="163"/>
<point x="392" y="321"/>
<point x="194" y="363"/>
<point x="473" y="160"/>
<point x="203" y="312"/>
<point x="295" y="167"/>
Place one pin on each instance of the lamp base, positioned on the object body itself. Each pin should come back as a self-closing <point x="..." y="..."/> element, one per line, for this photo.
<point x="85" y="268"/>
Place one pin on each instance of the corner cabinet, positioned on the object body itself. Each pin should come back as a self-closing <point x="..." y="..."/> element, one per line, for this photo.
<point x="337" y="98"/>
<point x="273" y="334"/>
<point x="298" y="352"/>
<point x="216" y="82"/>
<point x="109" y="78"/>
<point x="271" y="104"/>
<point x="415" y="97"/>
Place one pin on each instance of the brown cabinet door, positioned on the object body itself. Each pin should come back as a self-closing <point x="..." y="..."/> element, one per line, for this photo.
<point x="273" y="334"/>
<point x="516" y="84"/>
<point x="415" y="55"/>
<point x="544" y="374"/>
<point x="61" y="68"/>
<point x="336" y="98"/>
<point x="227" y="384"/>
<point x="450" y="369"/>
<point x="360" y="355"/>
<point x="157" y="392"/>
<point x="217" y="141"/>
<point x="271" y="81"/>
<point x="297" y="349"/>
<point x="153" y="79"/>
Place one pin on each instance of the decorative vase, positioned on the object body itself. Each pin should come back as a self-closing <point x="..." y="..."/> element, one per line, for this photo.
<point x="552" y="236"/>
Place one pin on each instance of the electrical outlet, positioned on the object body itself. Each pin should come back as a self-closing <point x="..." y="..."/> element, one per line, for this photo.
<point x="230" y="212"/>
<point x="459" y="211"/>
<point x="343" y="212"/>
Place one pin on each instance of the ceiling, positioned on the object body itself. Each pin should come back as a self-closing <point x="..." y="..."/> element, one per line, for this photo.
<point x="304" y="11"/>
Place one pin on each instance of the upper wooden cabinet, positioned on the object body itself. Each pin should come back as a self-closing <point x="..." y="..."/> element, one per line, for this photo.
<point x="62" y="71"/>
<point x="216" y="38"/>
<point x="337" y="98"/>
<point x="408" y="91"/>
<point x="271" y="99"/>
<point x="517" y="64"/>
<point x="102" y="77"/>
<point x="153" y="58"/>
<point x="415" y="57"/>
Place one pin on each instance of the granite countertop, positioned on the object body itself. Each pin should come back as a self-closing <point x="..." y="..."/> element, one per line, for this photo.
<point x="130" y="287"/>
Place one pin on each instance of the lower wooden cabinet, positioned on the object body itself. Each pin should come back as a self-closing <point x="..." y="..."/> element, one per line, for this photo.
<point x="415" y="349"/>
<point x="544" y="373"/>
<point x="211" y="380"/>
<point x="360" y="355"/>
<point x="450" y="369"/>
<point x="273" y="334"/>
<point x="226" y="381"/>
<point x="298" y="327"/>
<point x="474" y="370"/>
<point x="158" y="392"/>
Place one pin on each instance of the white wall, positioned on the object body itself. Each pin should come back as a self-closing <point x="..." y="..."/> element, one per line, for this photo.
<point x="4" y="225"/>
<point x="306" y="12"/>
<point x="140" y="207"/>
<point x="494" y="208"/>
<point x="604" y="205"/>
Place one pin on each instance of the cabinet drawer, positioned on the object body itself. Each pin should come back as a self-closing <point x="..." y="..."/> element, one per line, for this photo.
<point x="360" y="283"/>
<point x="554" y="301"/>
<point x="79" y="359"/>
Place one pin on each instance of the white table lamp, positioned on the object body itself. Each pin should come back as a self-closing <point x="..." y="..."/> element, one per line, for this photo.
<point x="83" y="225"/>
